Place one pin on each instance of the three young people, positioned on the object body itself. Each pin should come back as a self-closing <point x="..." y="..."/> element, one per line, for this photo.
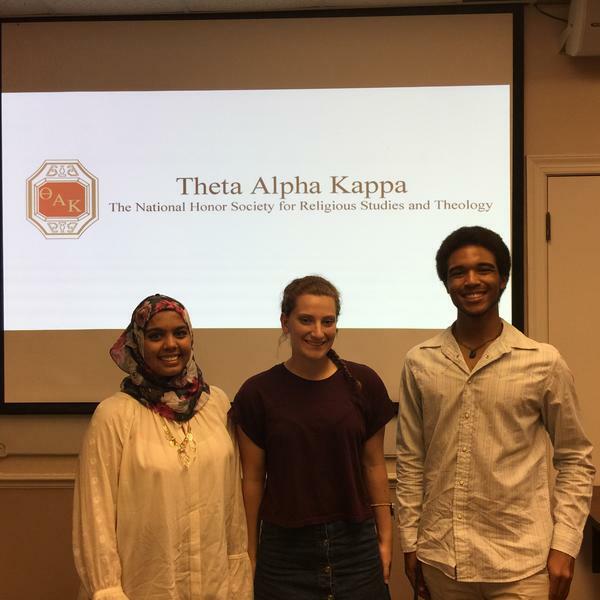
<point x="475" y="517"/>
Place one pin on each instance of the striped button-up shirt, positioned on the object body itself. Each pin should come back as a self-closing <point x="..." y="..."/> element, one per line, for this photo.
<point x="473" y="488"/>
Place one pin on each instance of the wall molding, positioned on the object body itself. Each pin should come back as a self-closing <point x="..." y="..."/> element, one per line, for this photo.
<point x="67" y="480"/>
<point x="539" y="169"/>
<point x="37" y="480"/>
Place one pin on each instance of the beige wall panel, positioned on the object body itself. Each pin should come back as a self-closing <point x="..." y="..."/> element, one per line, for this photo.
<point x="35" y="553"/>
<point x="562" y="93"/>
<point x="562" y="96"/>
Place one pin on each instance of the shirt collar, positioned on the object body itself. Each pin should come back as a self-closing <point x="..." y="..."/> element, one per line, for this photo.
<point x="510" y="338"/>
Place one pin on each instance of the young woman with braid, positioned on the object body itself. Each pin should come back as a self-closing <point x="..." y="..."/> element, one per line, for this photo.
<point x="315" y="485"/>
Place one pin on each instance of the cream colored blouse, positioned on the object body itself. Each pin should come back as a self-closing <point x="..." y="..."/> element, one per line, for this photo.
<point x="144" y="526"/>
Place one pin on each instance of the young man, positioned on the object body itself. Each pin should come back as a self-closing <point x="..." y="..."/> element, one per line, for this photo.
<point x="477" y="405"/>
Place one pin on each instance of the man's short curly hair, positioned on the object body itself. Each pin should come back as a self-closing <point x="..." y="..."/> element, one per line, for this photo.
<point x="473" y="236"/>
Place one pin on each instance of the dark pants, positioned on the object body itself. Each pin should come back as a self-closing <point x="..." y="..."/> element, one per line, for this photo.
<point x="330" y="561"/>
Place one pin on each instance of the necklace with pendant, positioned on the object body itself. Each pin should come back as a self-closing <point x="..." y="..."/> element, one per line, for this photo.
<point x="186" y="449"/>
<point x="473" y="351"/>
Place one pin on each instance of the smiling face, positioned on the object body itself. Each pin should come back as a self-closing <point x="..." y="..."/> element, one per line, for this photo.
<point x="167" y="344"/>
<point x="311" y="326"/>
<point x="473" y="281"/>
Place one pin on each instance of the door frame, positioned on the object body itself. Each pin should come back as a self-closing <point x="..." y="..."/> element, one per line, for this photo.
<point x="539" y="169"/>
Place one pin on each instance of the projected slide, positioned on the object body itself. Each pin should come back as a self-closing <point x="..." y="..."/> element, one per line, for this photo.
<point x="221" y="197"/>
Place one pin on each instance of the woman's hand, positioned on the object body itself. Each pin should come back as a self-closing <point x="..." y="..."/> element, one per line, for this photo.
<point x="253" y="486"/>
<point x="385" y="553"/>
<point x="376" y="480"/>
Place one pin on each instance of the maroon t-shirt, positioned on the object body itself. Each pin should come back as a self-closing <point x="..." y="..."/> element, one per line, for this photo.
<point x="313" y="434"/>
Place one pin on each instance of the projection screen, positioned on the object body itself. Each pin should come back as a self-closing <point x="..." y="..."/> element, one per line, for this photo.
<point x="216" y="159"/>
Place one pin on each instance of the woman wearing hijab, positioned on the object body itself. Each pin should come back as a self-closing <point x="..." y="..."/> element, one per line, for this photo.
<point x="158" y="513"/>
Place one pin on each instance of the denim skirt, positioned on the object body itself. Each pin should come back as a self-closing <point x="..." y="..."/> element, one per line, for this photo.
<point x="330" y="561"/>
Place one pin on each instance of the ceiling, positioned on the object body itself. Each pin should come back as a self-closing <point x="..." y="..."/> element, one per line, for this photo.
<point x="59" y="8"/>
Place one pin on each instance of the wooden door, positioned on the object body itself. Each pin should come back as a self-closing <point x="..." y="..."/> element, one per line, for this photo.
<point x="574" y="287"/>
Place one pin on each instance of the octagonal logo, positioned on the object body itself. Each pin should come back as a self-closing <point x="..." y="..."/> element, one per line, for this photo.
<point x="62" y="199"/>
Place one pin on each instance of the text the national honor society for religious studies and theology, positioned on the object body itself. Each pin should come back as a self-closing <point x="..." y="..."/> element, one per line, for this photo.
<point x="350" y="195"/>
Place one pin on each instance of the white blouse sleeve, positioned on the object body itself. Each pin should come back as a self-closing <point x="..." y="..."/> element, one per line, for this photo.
<point x="240" y="567"/>
<point x="94" y="507"/>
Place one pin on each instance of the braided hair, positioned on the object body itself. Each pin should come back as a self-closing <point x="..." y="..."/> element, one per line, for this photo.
<point x="319" y="286"/>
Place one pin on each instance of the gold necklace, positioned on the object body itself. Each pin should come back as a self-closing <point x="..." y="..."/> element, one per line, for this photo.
<point x="186" y="449"/>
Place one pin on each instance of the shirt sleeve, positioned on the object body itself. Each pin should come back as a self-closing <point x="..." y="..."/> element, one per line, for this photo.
<point x="379" y="409"/>
<point x="248" y="412"/>
<point x="240" y="568"/>
<point x="94" y="507"/>
<point x="572" y="460"/>
<point x="410" y="459"/>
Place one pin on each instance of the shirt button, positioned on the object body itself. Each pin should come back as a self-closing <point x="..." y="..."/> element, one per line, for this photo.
<point x="330" y="597"/>
<point x="467" y="415"/>
<point x="464" y="448"/>
<point x="461" y="482"/>
<point x="459" y="517"/>
<point x="327" y="569"/>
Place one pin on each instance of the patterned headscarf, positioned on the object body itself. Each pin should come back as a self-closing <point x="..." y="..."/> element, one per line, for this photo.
<point x="177" y="398"/>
